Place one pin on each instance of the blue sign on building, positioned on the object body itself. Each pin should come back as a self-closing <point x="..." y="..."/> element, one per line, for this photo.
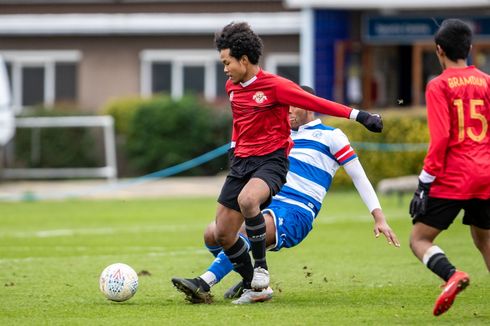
<point x="405" y="30"/>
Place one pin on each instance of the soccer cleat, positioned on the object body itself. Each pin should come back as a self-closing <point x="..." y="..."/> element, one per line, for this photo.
<point x="235" y="291"/>
<point x="456" y="283"/>
<point x="194" y="289"/>
<point x="261" y="279"/>
<point x="251" y="296"/>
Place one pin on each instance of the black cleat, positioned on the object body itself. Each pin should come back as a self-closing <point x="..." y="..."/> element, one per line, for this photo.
<point x="195" y="289"/>
<point x="235" y="291"/>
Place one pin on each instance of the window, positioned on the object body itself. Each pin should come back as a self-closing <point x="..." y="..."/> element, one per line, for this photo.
<point x="194" y="79"/>
<point x="65" y="82"/>
<point x="178" y="72"/>
<point x="285" y="65"/>
<point x="161" y="77"/>
<point x="42" y="77"/>
<point x="32" y="86"/>
<point x="200" y="72"/>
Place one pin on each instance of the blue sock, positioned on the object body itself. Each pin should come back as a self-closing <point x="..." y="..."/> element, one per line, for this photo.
<point x="214" y="250"/>
<point x="222" y="266"/>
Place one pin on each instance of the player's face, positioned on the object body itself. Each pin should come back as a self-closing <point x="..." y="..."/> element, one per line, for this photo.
<point x="297" y="117"/>
<point x="235" y="69"/>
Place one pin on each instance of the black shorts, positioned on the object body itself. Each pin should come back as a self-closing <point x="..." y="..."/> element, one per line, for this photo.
<point x="442" y="212"/>
<point x="272" y="168"/>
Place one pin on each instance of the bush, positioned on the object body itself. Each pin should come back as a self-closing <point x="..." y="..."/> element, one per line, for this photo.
<point x="400" y="127"/>
<point x="164" y="132"/>
<point x="123" y="110"/>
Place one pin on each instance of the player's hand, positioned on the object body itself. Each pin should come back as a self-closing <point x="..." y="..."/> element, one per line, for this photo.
<point x="381" y="227"/>
<point x="418" y="205"/>
<point x="372" y="122"/>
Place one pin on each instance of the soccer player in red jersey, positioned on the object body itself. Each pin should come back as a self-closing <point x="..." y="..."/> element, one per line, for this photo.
<point x="456" y="172"/>
<point x="260" y="146"/>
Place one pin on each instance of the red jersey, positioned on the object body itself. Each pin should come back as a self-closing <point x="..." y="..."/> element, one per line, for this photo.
<point x="260" y="110"/>
<point x="458" y="112"/>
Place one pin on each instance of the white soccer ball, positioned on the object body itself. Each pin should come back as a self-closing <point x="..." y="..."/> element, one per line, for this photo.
<point x="118" y="282"/>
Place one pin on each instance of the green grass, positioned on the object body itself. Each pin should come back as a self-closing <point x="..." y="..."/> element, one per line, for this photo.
<point x="51" y="255"/>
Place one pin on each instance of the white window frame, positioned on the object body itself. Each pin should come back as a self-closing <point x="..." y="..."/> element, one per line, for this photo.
<point x="273" y="60"/>
<point x="178" y="59"/>
<point x="46" y="59"/>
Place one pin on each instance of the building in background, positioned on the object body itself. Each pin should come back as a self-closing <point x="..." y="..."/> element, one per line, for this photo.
<point x="371" y="53"/>
<point x="380" y="53"/>
<point x="84" y="52"/>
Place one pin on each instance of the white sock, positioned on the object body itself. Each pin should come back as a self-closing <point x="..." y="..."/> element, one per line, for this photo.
<point x="431" y="252"/>
<point x="209" y="278"/>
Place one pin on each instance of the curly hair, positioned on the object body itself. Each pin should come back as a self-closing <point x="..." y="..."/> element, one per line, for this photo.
<point x="241" y="40"/>
<point x="454" y="37"/>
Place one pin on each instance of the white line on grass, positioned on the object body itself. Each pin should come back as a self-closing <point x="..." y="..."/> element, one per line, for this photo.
<point x="114" y="257"/>
<point x="99" y="231"/>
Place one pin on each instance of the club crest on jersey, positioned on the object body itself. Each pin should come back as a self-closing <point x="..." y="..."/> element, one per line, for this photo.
<point x="231" y="96"/>
<point x="259" y="97"/>
<point x="317" y="134"/>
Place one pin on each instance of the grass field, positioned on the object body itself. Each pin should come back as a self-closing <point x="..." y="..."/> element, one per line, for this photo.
<point x="51" y="255"/>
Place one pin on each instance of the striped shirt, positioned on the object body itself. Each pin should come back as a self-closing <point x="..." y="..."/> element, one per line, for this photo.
<point x="317" y="154"/>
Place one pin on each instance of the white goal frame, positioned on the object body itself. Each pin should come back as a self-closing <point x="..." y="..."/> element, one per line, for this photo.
<point x="108" y="171"/>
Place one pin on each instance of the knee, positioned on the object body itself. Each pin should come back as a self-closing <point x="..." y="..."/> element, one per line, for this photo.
<point x="247" y="201"/>
<point x="223" y="238"/>
<point x="209" y="235"/>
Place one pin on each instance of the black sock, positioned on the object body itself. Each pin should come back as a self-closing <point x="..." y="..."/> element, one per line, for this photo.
<point x="441" y="266"/>
<point x="240" y="258"/>
<point x="255" y="227"/>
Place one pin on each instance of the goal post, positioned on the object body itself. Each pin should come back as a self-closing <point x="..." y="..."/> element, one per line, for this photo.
<point x="108" y="171"/>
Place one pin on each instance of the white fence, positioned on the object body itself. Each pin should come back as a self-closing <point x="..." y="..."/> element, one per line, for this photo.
<point x="108" y="171"/>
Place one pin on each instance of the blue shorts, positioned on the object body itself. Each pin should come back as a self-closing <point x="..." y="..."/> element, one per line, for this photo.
<point x="293" y="224"/>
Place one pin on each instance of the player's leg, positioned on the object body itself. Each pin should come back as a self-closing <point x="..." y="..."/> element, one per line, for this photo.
<point x="265" y="182"/>
<point x="481" y="238"/>
<point x="440" y="214"/>
<point x="236" y="290"/>
<point x="477" y="216"/>
<point x="255" y="192"/>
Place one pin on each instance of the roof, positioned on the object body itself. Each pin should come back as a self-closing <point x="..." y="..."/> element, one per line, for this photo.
<point x="272" y="23"/>
<point x="386" y="4"/>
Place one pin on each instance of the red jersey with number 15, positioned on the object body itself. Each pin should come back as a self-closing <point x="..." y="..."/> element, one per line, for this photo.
<point x="260" y="110"/>
<point x="458" y="112"/>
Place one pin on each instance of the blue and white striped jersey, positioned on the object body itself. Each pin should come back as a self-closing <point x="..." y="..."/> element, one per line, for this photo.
<point x="317" y="154"/>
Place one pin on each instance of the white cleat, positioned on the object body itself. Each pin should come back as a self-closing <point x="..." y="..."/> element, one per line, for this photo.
<point x="261" y="279"/>
<point x="251" y="296"/>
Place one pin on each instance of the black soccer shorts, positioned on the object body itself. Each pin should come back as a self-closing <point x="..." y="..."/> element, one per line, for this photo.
<point x="272" y="168"/>
<point x="442" y="212"/>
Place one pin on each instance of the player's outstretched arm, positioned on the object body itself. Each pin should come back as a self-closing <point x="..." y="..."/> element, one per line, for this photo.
<point x="292" y="94"/>
<point x="356" y="172"/>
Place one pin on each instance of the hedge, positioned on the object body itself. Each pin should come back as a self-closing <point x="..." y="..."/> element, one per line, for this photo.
<point x="400" y="127"/>
<point x="164" y="132"/>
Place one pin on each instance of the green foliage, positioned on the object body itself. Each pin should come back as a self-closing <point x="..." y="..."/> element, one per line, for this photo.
<point x="53" y="253"/>
<point x="400" y="127"/>
<point x="55" y="147"/>
<point x="123" y="110"/>
<point x="164" y="132"/>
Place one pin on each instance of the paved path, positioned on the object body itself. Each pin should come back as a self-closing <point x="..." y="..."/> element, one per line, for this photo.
<point x="121" y="189"/>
